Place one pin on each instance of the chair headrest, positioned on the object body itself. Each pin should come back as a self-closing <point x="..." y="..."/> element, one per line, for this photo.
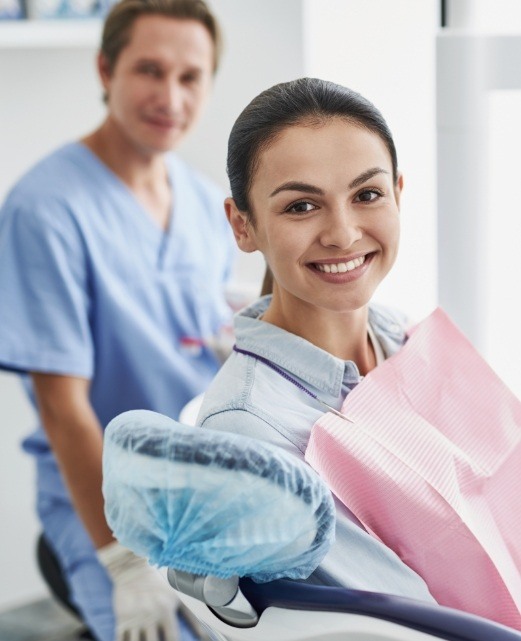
<point x="211" y="502"/>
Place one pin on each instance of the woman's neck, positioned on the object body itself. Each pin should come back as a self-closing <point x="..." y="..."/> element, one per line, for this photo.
<point x="342" y="334"/>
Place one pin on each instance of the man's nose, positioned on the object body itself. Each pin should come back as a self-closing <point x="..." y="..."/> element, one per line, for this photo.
<point x="172" y="95"/>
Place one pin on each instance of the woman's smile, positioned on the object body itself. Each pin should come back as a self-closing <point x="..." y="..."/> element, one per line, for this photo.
<point x="342" y="270"/>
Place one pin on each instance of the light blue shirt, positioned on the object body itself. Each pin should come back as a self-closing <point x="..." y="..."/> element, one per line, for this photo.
<point x="91" y="286"/>
<point x="250" y="398"/>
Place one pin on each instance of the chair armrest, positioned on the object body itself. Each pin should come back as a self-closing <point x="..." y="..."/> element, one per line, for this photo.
<point x="436" y="620"/>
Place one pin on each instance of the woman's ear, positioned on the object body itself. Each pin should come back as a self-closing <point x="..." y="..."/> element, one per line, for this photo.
<point x="398" y="189"/>
<point x="242" y="228"/>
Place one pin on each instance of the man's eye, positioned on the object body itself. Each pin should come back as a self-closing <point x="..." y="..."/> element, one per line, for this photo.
<point x="301" y="207"/>
<point x="151" y="70"/>
<point x="190" y="79"/>
<point x="368" y="195"/>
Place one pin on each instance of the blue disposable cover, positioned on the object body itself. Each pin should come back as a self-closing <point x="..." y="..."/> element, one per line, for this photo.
<point x="211" y="502"/>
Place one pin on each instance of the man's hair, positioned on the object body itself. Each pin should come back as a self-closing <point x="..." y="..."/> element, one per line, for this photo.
<point x="120" y="20"/>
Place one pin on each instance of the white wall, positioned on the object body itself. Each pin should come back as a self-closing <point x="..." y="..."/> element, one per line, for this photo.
<point x="502" y="346"/>
<point x="481" y="187"/>
<point x="48" y="97"/>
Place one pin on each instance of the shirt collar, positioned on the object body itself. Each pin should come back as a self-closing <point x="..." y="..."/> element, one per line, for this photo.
<point x="389" y="327"/>
<point x="301" y="358"/>
<point x="292" y="353"/>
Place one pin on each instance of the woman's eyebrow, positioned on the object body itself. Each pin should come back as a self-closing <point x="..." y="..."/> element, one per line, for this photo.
<point x="366" y="175"/>
<point x="294" y="185"/>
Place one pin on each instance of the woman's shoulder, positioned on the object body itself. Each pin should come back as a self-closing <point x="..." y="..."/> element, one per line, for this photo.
<point x="242" y="400"/>
<point x="229" y="392"/>
<point x="248" y="421"/>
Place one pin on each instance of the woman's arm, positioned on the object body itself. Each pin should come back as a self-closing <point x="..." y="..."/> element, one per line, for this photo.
<point x="76" y="438"/>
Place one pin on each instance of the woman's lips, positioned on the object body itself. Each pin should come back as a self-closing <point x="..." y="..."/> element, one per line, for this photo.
<point x="341" y="267"/>
<point x="342" y="271"/>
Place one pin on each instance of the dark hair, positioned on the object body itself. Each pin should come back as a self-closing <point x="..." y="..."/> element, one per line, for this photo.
<point x="121" y="18"/>
<point x="267" y="282"/>
<point x="308" y="101"/>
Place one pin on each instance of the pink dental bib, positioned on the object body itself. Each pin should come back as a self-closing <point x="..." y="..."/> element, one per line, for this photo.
<point x="431" y="467"/>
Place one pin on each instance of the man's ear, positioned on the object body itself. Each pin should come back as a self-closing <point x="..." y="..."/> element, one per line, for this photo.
<point x="242" y="229"/>
<point x="104" y="71"/>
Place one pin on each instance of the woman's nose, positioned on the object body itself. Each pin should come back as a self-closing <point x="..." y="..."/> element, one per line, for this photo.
<point x="341" y="229"/>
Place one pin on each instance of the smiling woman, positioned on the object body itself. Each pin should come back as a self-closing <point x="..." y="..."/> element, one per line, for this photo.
<point x="316" y="188"/>
<point x="325" y="215"/>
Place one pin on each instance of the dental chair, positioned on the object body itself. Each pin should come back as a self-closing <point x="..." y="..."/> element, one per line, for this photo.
<point x="238" y="526"/>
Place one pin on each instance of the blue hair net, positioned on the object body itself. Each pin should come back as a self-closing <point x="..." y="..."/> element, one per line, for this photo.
<point x="213" y="502"/>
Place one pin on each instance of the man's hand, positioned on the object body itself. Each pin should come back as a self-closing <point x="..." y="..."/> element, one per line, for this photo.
<point x="144" y="604"/>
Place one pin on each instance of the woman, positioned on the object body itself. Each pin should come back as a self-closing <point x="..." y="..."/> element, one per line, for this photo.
<point x="315" y="187"/>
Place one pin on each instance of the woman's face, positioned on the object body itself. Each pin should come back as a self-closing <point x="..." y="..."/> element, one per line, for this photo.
<point x="326" y="214"/>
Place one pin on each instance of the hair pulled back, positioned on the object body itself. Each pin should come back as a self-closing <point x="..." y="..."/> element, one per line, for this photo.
<point x="306" y="101"/>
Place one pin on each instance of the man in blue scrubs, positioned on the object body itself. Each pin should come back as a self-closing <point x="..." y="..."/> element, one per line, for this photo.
<point x="113" y="259"/>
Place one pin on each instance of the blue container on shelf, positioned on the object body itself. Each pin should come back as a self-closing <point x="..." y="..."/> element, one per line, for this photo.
<point x="11" y="10"/>
<point x="65" y="9"/>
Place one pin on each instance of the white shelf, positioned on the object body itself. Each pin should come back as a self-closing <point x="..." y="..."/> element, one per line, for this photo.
<point x="50" y="34"/>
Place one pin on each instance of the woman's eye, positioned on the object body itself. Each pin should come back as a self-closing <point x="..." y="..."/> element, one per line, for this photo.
<point x="301" y="207"/>
<point x="368" y="195"/>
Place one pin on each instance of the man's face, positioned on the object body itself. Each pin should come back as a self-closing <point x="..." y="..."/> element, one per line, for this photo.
<point x="160" y="82"/>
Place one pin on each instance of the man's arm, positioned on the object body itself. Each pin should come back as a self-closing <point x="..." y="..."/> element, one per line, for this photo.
<point x="76" y="438"/>
<point x="144" y="604"/>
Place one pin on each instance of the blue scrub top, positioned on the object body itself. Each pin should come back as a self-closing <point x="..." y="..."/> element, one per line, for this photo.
<point x="91" y="286"/>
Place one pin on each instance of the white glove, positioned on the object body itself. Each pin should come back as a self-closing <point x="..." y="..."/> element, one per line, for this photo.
<point x="144" y="604"/>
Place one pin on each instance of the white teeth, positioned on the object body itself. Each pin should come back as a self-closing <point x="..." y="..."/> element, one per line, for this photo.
<point x="341" y="268"/>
